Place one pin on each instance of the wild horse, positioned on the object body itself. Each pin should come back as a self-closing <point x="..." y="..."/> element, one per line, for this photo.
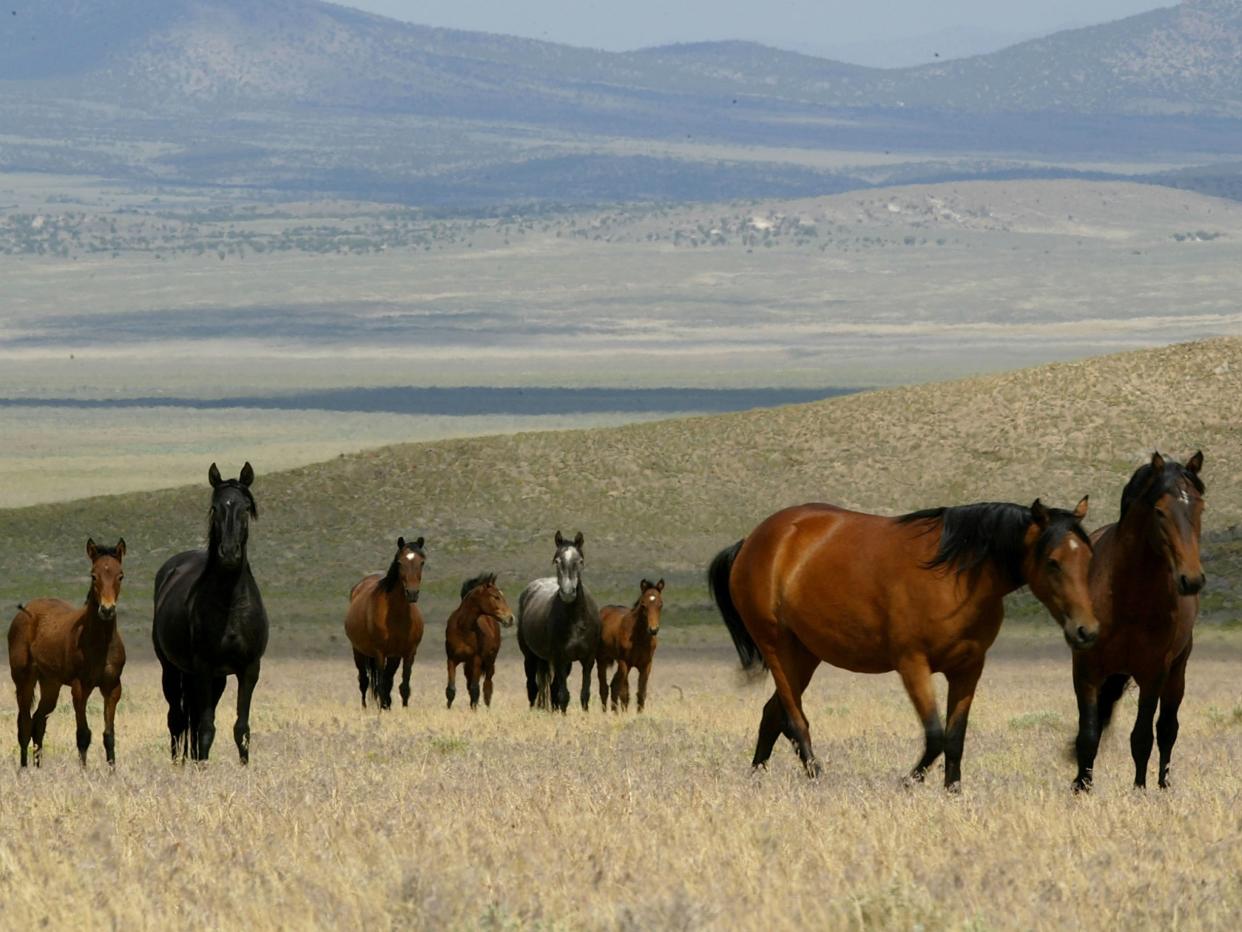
<point x="210" y="624"/>
<point x="629" y="638"/>
<point x="1145" y="582"/>
<point x="472" y="637"/>
<point x="52" y="642"/>
<point x="919" y="594"/>
<point x="558" y="624"/>
<point x="385" y="625"/>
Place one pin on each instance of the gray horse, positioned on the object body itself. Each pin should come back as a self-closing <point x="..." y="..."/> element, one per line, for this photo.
<point x="558" y="623"/>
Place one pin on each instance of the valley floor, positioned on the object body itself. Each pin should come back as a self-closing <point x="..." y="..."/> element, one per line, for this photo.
<point x="505" y="818"/>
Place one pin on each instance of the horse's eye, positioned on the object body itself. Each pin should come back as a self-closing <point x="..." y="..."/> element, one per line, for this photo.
<point x="119" y="578"/>
<point x="1054" y="566"/>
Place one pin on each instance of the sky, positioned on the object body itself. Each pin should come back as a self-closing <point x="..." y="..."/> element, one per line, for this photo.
<point x="892" y="29"/>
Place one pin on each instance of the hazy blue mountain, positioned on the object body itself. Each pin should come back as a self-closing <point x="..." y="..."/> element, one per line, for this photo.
<point x="298" y="93"/>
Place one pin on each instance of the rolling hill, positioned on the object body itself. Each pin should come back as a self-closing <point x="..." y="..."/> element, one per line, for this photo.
<point x="661" y="498"/>
<point x="298" y="95"/>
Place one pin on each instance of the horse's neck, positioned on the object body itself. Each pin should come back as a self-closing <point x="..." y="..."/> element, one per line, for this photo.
<point x="1138" y="566"/>
<point x="636" y="619"/>
<point x="91" y="624"/>
<point x="398" y="605"/>
<point x="219" y="582"/>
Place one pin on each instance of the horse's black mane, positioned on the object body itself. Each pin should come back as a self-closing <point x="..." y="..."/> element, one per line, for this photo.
<point x="483" y="579"/>
<point x="1141" y="487"/>
<point x="245" y="491"/>
<point x="972" y="535"/>
<point x="102" y="551"/>
<point x="393" y="576"/>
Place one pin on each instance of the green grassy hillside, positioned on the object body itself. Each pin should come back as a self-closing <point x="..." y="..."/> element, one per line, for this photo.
<point x="660" y="498"/>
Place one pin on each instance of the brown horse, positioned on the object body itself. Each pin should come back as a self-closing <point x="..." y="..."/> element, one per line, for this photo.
<point x="52" y="642"/>
<point x="1145" y="581"/>
<point x="385" y="625"/>
<point x="472" y="637"/>
<point x="628" y="638"/>
<point x="919" y="594"/>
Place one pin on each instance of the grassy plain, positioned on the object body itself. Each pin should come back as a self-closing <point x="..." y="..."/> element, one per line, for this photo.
<point x="505" y="819"/>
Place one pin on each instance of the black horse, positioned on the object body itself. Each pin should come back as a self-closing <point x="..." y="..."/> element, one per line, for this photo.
<point x="558" y="623"/>
<point x="210" y="623"/>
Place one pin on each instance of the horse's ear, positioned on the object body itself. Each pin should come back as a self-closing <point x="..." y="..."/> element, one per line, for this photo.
<point x="120" y="549"/>
<point x="560" y="541"/>
<point x="660" y="584"/>
<point x="578" y="539"/>
<point x="91" y="549"/>
<point x="1157" y="461"/>
<point x="418" y="544"/>
<point x="645" y="584"/>
<point x="214" y="477"/>
<point x="247" y="475"/>
<point x="400" y="544"/>
<point x="1039" y="514"/>
<point x="1080" y="510"/>
<point x="1195" y="463"/>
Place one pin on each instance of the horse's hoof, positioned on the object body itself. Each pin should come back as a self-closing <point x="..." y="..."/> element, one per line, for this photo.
<point x="813" y="769"/>
<point x="1081" y="786"/>
<point x="954" y="788"/>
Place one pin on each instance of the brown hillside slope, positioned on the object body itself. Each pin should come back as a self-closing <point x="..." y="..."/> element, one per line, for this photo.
<point x="662" y="497"/>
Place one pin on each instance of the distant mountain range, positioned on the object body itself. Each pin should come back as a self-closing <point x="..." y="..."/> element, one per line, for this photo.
<point x="301" y="94"/>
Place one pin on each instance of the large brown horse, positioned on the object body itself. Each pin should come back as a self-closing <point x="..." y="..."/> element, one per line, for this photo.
<point x="1145" y="581"/>
<point x="919" y="594"/>
<point x="629" y="638"/>
<point x="472" y="637"/>
<point x="385" y="625"/>
<point x="52" y="642"/>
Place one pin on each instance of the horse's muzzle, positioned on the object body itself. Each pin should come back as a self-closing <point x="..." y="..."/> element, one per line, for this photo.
<point x="107" y="612"/>
<point x="1190" y="585"/>
<point x="411" y="595"/>
<point x="507" y="620"/>
<point x="1080" y="637"/>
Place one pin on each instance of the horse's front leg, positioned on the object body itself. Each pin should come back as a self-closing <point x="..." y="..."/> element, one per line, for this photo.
<point x="1166" y="725"/>
<point x="916" y="677"/>
<point x="112" y="696"/>
<point x="407" y="663"/>
<point x="247" y="680"/>
<point x="584" y="694"/>
<point x="961" y="693"/>
<point x="601" y="669"/>
<point x="1141" y="738"/>
<point x="389" y="674"/>
<point x="644" y="675"/>
<point x="80" y="694"/>
<point x="207" y="691"/>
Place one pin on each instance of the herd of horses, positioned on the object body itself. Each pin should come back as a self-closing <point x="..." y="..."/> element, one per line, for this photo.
<point x="918" y="594"/>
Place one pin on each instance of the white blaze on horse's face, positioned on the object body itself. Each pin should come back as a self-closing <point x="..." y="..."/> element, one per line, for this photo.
<point x="568" y="562"/>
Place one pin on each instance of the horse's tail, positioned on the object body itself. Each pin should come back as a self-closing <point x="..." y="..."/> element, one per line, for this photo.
<point x="718" y="583"/>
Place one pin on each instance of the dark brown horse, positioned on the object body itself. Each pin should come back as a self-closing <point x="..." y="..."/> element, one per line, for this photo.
<point x="628" y="638"/>
<point x="472" y="637"/>
<point x="52" y="642"/>
<point x="919" y="594"/>
<point x="385" y="624"/>
<point x="1145" y="581"/>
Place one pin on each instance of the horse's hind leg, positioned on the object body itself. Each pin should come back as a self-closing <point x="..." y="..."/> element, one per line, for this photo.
<point x="474" y="670"/>
<point x="961" y="693"/>
<point x="601" y="669"/>
<point x="585" y="693"/>
<point x="49" y="692"/>
<point x="247" y="680"/>
<point x="25" y="688"/>
<point x="80" y="694"/>
<point x="775" y="721"/>
<point x="450" y="691"/>
<point x="361" y="661"/>
<point x="407" y="663"/>
<point x="916" y="677"/>
<point x="1166" y="725"/>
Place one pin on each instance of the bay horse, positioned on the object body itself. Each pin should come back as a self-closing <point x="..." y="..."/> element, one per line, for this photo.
<point x="558" y="624"/>
<point x="210" y="623"/>
<point x="472" y="637"/>
<point x="920" y="594"/>
<point x="52" y="642"/>
<point x="628" y="638"/>
<point x="385" y="625"/>
<point x="1145" y="582"/>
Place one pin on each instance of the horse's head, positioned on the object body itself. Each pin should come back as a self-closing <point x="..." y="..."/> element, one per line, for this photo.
<point x="1168" y="497"/>
<point x="232" y="507"/>
<point x="1056" y="562"/>
<point x="489" y="600"/>
<point x="408" y="566"/>
<point x="650" y="604"/>
<point x="106" y="576"/>
<point x="569" y="562"/>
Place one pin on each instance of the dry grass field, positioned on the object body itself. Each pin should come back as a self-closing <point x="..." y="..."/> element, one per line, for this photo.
<point x="437" y="819"/>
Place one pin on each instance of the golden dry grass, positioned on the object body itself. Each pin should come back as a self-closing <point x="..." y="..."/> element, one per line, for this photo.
<point x="430" y="818"/>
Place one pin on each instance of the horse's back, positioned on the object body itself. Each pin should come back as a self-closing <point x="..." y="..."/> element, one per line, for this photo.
<point x="358" y="612"/>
